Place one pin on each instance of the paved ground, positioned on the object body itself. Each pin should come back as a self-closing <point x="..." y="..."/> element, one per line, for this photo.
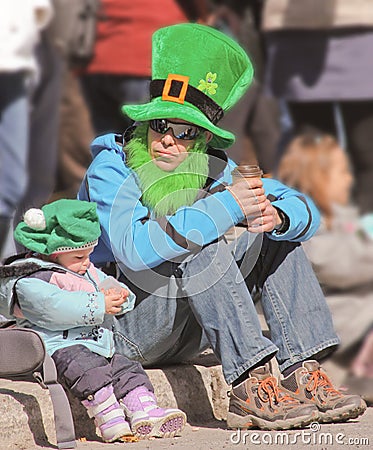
<point x="356" y="434"/>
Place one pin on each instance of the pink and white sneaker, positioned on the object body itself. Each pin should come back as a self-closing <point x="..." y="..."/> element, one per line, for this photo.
<point x="147" y="419"/>
<point x="108" y="415"/>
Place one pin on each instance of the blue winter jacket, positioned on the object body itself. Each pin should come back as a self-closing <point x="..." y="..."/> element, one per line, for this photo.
<point x="130" y="234"/>
<point x="62" y="317"/>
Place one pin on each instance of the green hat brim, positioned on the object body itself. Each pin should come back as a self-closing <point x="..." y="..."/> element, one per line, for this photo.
<point x="160" y="109"/>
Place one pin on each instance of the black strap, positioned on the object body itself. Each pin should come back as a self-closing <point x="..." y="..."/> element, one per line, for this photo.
<point x="308" y="226"/>
<point x="65" y="432"/>
<point x="87" y="187"/>
<point x="179" y="239"/>
<point x="286" y="223"/>
<point x="194" y="96"/>
<point x="7" y="323"/>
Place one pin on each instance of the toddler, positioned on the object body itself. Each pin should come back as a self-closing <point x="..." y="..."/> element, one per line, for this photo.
<point x="55" y="290"/>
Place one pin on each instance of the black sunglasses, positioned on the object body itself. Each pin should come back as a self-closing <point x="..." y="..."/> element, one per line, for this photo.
<point x="184" y="131"/>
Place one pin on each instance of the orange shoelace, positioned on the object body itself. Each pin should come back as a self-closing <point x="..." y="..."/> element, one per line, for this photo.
<point x="270" y="387"/>
<point x="320" y="379"/>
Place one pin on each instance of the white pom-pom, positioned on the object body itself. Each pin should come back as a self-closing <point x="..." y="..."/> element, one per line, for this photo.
<point x="35" y="219"/>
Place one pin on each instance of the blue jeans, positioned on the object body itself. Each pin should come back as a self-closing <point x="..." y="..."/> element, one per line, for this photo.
<point x="44" y="124"/>
<point x="14" y="138"/>
<point x="207" y="302"/>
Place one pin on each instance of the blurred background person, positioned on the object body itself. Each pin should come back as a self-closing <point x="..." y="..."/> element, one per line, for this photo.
<point x="73" y="31"/>
<point x="319" y="63"/>
<point x="59" y="129"/>
<point x="75" y="135"/>
<point x="341" y="252"/>
<point x="255" y="118"/>
<point x="44" y="127"/>
<point x="21" y="24"/>
<point x="119" y="72"/>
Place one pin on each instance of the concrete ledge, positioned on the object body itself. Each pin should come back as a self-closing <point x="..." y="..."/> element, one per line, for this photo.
<point x="26" y="412"/>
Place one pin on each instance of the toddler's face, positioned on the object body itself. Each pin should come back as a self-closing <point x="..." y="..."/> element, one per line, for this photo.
<point x="340" y="178"/>
<point x="77" y="260"/>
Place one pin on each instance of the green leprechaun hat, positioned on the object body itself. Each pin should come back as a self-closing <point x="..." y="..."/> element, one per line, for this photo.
<point x="197" y="74"/>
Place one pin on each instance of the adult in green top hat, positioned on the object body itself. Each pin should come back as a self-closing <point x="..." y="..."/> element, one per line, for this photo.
<point x="166" y="200"/>
<point x="197" y="87"/>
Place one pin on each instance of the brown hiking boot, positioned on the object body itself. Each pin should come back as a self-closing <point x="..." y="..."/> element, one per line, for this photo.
<point x="310" y="385"/>
<point x="259" y="403"/>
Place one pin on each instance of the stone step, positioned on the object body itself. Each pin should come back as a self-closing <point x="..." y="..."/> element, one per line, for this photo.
<point x="26" y="412"/>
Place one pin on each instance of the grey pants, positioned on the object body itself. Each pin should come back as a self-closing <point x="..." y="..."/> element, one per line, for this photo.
<point x="84" y="372"/>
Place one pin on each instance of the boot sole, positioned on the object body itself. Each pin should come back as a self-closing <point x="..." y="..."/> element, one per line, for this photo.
<point x="342" y="414"/>
<point x="165" y="427"/>
<point x="142" y="429"/>
<point x="249" y="421"/>
<point x="169" y="426"/>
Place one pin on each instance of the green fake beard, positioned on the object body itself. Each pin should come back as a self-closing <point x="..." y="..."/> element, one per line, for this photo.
<point x="165" y="192"/>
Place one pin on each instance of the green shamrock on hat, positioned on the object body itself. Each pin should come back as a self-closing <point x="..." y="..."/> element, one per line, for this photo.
<point x="208" y="85"/>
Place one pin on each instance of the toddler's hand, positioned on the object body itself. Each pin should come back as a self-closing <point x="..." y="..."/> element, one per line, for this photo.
<point x="124" y="293"/>
<point x="114" y="300"/>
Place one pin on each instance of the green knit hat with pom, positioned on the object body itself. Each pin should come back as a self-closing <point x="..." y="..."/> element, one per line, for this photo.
<point x="198" y="73"/>
<point x="61" y="226"/>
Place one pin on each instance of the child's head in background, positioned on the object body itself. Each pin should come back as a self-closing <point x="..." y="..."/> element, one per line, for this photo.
<point x="64" y="232"/>
<point x="316" y="165"/>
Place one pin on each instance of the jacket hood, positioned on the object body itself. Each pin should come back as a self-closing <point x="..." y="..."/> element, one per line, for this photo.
<point x="107" y="142"/>
<point x="11" y="272"/>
